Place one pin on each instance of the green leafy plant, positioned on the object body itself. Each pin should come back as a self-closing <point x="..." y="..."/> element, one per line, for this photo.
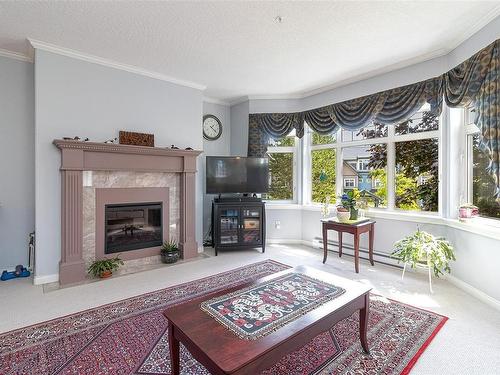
<point x="170" y="251"/>
<point x="169" y="247"/>
<point x="348" y="200"/>
<point x="98" y="267"/>
<point x="423" y="248"/>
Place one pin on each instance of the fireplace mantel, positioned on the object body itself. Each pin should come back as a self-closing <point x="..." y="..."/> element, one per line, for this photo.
<point x="77" y="156"/>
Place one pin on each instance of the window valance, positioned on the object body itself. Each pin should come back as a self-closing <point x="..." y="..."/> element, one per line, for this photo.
<point x="474" y="82"/>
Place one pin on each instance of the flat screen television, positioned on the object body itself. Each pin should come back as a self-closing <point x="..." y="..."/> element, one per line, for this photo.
<point x="235" y="174"/>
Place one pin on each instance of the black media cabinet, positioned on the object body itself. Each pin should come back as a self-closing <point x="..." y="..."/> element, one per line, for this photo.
<point x="238" y="223"/>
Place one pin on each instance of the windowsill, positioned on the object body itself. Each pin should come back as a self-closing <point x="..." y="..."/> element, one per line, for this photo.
<point x="411" y="216"/>
<point x="480" y="226"/>
<point x="282" y="206"/>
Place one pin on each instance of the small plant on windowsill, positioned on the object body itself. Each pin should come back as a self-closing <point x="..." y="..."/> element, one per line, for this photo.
<point x="422" y="248"/>
<point x="170" y="252"/>
<point x="104" y="268"/>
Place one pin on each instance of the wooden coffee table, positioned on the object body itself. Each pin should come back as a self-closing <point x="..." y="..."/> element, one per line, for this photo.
<point x="222" y="352"/>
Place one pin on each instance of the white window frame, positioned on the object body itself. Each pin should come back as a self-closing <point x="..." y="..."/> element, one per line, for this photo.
<point x="307" y="180"/>
<point x="350" y="179"/>
<point x="294" y="151"/>
<point x="390" y="140"/>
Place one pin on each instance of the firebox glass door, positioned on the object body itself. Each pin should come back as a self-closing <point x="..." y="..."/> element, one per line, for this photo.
<point x="133" y="226"/>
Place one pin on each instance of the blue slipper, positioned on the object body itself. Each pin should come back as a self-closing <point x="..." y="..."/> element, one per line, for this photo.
<point x="6" y="275"/>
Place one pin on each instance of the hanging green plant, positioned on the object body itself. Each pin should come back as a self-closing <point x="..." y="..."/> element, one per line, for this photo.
<point x="423" y="248"/>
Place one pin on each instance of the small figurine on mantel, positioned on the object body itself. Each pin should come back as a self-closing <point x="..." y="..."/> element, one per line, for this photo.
<point x="77" y="138"/>
<point x="188" y="148"/>
<point x="174" y="147"/>
<point x="112" y="140"/>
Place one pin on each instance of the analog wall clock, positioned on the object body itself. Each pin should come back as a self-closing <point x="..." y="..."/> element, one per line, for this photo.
<point x="212" y="127"/>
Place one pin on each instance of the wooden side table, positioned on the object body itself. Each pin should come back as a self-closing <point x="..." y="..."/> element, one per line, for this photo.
<point x="356" y="230"/>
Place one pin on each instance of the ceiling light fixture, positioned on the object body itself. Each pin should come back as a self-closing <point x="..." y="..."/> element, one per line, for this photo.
<point x="278" y="19"/>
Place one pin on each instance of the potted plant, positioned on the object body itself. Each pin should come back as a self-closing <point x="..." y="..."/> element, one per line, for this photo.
<point x="348" y="201"/>
<point x="343" y="214"/>
<point x="422" y="248"/>
<point x="104" y="268"/>
<point x="170" y="252"/>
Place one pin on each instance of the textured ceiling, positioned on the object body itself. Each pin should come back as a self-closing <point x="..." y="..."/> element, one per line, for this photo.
<point x="237" y="49"/>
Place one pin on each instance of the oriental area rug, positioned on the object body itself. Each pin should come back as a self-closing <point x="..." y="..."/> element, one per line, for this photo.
<point x="130" y="337"/>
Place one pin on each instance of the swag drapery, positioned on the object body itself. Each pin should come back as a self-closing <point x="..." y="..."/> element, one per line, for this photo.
<point x="474" y="82"/>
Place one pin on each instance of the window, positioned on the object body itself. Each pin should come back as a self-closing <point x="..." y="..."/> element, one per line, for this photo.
<point x="282" y="156"/>
<point x="481" y="185"/>
<point x="362" y="165"/>
<point x="323" y="170"/>
<point x="349" y="182"/>
<point x="377" y="183"/>
<point x="417" y="175"/>
<point x="387" y="166"/>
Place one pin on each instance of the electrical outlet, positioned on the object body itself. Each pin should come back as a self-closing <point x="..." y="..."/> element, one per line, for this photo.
<point x="277" y="224"/>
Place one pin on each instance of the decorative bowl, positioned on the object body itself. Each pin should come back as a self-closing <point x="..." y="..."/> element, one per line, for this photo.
<point x="343" y="216"/>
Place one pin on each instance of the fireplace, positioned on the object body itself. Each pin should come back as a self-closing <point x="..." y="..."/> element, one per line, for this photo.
<point x="132" y="226"/>
<point x="125" y="175"/>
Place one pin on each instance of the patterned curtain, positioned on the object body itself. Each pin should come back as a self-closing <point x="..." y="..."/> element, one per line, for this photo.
<point x="279" y="125"/>
<point x="475" y="81"/>
<point x="257" y="139"/>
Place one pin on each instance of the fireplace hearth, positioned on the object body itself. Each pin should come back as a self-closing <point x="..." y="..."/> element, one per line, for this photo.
<point x="132" y="226"/>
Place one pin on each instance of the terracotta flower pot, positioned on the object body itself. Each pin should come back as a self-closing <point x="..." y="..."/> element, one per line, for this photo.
<point x="106" y="274"/>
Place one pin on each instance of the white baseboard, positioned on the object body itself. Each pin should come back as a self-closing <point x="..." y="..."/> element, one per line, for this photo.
<point x="473" y="291"/>
<point x="284" y="241"/>
<point x="45" y="279"/>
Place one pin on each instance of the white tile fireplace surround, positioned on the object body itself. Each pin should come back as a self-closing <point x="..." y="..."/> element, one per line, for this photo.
<point x="96" y="175"/>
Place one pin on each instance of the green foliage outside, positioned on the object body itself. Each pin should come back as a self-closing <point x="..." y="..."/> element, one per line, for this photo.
<point x="414" y="160"/>
<point x="483" y="186"/>
<point x="323" y="175"/>
<point x="318" y="139"/>
<point x="281" y="175"/>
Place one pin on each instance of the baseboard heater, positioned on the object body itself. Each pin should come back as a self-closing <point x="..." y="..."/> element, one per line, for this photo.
<point x="363" y="253"/>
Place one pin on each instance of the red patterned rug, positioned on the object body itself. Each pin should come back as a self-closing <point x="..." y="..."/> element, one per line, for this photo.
<point x="129" y="337"/>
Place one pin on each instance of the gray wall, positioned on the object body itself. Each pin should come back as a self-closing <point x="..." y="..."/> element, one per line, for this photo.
<point x="219" y="147"/>
<point x="74" y="97"/>
<point x="17" y="158"/>
<point x="239" y="129"/>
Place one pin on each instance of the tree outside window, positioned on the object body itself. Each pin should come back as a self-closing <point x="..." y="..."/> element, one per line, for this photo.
<point x="483" y="185"/>
<point x="281" y="169"/>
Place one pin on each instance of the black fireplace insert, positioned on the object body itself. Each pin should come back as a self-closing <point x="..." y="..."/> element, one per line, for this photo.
<point x="132" y="226"/>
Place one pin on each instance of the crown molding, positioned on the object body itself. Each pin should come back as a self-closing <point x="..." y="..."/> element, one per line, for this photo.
<point x="208" y="99"/>
<point x="476" y="26"/>
<point x="239" y="100"/>
<point x="37" y="44"/>
<point x="15" y="55"/>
